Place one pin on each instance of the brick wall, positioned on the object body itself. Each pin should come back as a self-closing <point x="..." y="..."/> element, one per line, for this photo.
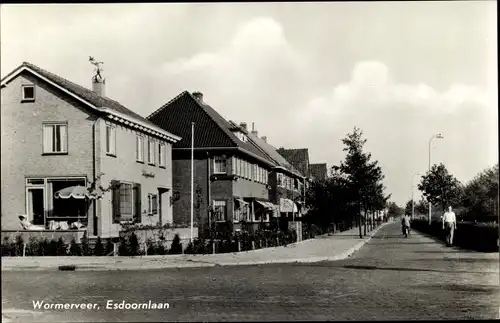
<point x="21" y="143"/>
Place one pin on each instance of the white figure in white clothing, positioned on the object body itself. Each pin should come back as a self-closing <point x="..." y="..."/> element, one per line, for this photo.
<point x="449" y="225"/>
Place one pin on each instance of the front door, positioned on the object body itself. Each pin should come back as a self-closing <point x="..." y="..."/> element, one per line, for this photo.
<point x="35" y="205"/>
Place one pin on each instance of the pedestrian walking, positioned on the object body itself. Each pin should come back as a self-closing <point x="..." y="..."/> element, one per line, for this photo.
<point x="449" y="225"/>
<point x="405" y="225"/>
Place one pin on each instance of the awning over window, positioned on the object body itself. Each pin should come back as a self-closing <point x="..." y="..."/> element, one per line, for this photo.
<point x="287" y="205"/>
<point x="240" y="201"/>
<point x="265" y="204"/>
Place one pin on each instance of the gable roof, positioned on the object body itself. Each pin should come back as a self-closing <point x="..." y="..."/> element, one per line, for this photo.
<point x="211" y="129"/>
<point x="299" y="158"/>
<point x="269" y="150"/>
<point x="102" y="104"/>
<point x="318" y="171"/>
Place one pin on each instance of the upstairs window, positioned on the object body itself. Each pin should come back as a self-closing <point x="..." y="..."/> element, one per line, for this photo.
<point x="110" y="140"/>
<point x="162" y="155"/>
<point x="151" y="152"/>
<point x="280" y="180"/>
<point x="220" y="165"/>
<point x="28" y="92"/>
<point x="55" y="138"/>
<point x="139" y="149"/>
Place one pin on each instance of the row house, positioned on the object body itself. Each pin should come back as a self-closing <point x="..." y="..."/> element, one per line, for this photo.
<point x="236" y="180"/>
<point x="58" y="135"/>
<point x="287" y="184"/>
<point x="231" y="175"/>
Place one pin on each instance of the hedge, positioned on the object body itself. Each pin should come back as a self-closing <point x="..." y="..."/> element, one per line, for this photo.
<point x="476" y="236"/>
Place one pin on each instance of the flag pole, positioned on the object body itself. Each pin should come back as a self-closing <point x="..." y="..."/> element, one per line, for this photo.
<point x="192" y="178"/>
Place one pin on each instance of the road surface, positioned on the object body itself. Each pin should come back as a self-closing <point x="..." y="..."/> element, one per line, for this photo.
<point x="390" y="278"/>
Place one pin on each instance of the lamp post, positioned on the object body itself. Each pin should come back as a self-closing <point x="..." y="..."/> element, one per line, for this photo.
<point x="438" y="136"/>
<point x="412" y="199"/>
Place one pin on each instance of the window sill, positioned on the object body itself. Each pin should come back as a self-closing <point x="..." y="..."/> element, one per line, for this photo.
<point x="164" y="167"/>
<point x="150" y="164"/>
<point x="54" y="154"/>
<point x="111" y="155"/>
<point x="220" y="173"/>
<point x="27" y="100"/>
<point x="140" y="161"/>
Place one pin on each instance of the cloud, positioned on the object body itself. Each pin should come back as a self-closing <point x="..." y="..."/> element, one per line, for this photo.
<point x="398" y="119"/>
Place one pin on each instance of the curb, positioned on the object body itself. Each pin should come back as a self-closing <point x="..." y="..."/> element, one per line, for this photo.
<point x="197" y="264"/>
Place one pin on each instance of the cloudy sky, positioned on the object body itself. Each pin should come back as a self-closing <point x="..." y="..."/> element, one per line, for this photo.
<point x="306" y="74"/>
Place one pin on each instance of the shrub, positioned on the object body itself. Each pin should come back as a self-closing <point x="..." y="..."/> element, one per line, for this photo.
<point x="61" y="247"/>
<point x="176" y="247"/>
<point x="133" y="244"/>
<point x="469" y="235"/>
<point x="109" y="248"/>
<point x="198" y="247"/>
<point x="155" y="247"/>
<point x="99" y="248"/>
<point x="85" y="245"/>
<point x="75" y="249"/>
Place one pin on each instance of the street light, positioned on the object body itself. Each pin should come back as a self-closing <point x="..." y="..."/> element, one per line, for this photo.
<point x="412" y="199"/>
<point x="438" y="136"/>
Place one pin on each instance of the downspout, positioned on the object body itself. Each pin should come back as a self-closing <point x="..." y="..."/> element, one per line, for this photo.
<point x="209" y="203"/>
<point x="94" y="208"/>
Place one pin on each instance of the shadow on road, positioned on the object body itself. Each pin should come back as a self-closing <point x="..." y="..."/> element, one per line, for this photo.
<point x="464" y="288"/>
<point x="361" y="267"/>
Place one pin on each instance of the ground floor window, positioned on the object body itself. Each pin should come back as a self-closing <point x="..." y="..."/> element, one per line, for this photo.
<point x="126" y="201"/>
<point x="47" y="209"/>
<point x="220" y="211"/>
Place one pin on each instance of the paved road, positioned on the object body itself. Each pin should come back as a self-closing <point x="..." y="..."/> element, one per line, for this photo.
<point x="390" y="278"/>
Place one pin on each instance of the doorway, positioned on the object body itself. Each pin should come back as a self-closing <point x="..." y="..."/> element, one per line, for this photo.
<point x="35" y="205"/>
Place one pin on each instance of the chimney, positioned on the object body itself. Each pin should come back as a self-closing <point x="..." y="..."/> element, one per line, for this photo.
<point x="243" y="125"/>
<point x="255" y="133"/>
<point x="264" y="138"/>
<point x="198" y="96"/>
<point x="98" y="86"/>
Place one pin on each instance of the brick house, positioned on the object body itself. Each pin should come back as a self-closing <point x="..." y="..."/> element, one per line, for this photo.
<point x="288" y="185"/>
<point x="57" y="134"/>
<point x="231" y="175"/>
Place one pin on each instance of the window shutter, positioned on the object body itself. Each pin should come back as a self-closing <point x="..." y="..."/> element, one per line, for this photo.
<point x="137" y="203"/>
<point x="116" y="200"/>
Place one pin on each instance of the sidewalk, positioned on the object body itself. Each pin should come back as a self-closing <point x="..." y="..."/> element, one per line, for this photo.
<point x="324" y="248"/>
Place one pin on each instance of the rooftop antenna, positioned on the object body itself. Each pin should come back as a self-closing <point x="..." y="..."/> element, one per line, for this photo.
<point x="98" y="69"/>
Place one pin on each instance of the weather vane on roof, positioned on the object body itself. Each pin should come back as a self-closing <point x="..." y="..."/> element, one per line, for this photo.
<point x="98" y="67"/>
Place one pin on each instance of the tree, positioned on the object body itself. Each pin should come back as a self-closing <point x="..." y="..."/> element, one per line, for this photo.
<point x="440" y="187"/>
<point x="394" y="210"/>
<point x="362" y="174"/>
<point x="480" y="196"/>
<point x="422" y="207"/>
<point x="409" y="207"/>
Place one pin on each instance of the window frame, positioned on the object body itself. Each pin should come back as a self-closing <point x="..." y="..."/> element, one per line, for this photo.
<point x="53" y="125"/>
<point x="23" y="97"/>
<point x="139" y="138"/>
<point x="108" y="143"/>
<point x="162" y="159"/>
<point x="151" y="154"/>
<point x="224" y="206"/>
<point x="220" y="159"/>
<point x="153" y="204"/>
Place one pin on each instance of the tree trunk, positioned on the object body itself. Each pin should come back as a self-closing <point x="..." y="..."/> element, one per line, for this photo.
<point x="364" y="220"/>
<point x="359" y="223"/>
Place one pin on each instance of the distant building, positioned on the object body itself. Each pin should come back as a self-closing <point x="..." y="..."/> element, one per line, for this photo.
<point x="299" y="158"/>
<point x="318" y="171"/>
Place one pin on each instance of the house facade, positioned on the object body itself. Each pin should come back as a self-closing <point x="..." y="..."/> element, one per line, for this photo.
<point x="231" y="175"/>
<point x="287" y="184"/>
<point x="57" y="135"/>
